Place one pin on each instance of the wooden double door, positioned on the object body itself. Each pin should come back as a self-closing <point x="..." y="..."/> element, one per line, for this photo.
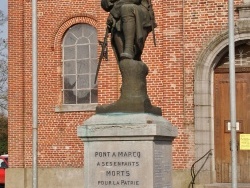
<point x="222" y="126"/>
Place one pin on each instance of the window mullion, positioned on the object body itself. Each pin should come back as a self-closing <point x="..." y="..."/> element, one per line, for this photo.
<point x="76" y="73"/>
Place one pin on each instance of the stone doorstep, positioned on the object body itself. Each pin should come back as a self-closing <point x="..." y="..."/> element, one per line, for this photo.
<point x="227" y="185"/>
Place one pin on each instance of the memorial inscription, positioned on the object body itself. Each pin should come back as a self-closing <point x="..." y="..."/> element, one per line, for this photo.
<point x="116" y="168"/>
<point x="124" y="150"/>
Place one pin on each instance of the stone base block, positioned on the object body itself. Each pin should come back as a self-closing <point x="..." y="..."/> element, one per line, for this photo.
<point x="127" y="150"/>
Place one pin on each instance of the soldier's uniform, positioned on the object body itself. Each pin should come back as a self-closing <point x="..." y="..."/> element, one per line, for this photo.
<point x="131" y="21"/>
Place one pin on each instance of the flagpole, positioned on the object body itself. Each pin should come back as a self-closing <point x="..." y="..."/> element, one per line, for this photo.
<point x="34" y="96"/>
<point x="232" y="91"/>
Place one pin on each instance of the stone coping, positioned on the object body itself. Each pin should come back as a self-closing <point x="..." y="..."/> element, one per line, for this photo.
<point x="121" y="125"/>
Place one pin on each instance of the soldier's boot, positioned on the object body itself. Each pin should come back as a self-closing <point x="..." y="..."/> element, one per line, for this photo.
<point x="128" y="26"/>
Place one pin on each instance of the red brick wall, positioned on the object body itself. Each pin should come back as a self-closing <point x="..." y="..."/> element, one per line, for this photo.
<point x="184" y="28"/>
<point x="16" y="83"/>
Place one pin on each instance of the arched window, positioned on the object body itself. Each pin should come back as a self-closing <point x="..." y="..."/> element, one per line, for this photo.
<point x="79" y="65"/>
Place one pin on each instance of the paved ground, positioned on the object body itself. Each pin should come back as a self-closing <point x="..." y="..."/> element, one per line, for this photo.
<point x="227" y="185"/>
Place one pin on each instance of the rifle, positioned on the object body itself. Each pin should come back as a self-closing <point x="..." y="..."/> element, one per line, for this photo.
<point x="102" y="55"/>
<point x="152" y="18"/>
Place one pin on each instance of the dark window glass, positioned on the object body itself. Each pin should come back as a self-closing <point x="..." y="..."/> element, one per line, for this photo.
<point x="83" y="82"/>
<point x="83" y="66"/>
<point x="94" y="95"/>
<point x="69" y="67"/>
<point x="69" y="96"/>
<point x="83" y="96"/>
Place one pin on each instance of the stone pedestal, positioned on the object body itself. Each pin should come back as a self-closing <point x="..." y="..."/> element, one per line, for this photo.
<point x="127" y="150"/>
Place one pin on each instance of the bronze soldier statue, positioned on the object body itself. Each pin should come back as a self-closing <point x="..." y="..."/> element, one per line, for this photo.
<point x="129" y="21"/>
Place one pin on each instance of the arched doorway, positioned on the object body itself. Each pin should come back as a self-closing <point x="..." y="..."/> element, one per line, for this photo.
<point x="222" y="136"/>
<point x="204" y="95"/>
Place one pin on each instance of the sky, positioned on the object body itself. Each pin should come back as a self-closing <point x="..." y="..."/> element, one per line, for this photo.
<point x="4" y="28"/>
<point x="4" y="8"/>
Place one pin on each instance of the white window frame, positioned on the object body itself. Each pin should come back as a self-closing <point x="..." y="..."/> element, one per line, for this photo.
<point x="91" y="106"/>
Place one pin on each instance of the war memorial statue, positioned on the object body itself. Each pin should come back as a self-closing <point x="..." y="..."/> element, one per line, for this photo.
<point x="129" y="22"/>
<point x="128" y="143"/>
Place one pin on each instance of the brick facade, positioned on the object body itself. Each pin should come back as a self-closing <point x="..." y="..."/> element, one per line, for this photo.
<point x="183" y="32"/>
